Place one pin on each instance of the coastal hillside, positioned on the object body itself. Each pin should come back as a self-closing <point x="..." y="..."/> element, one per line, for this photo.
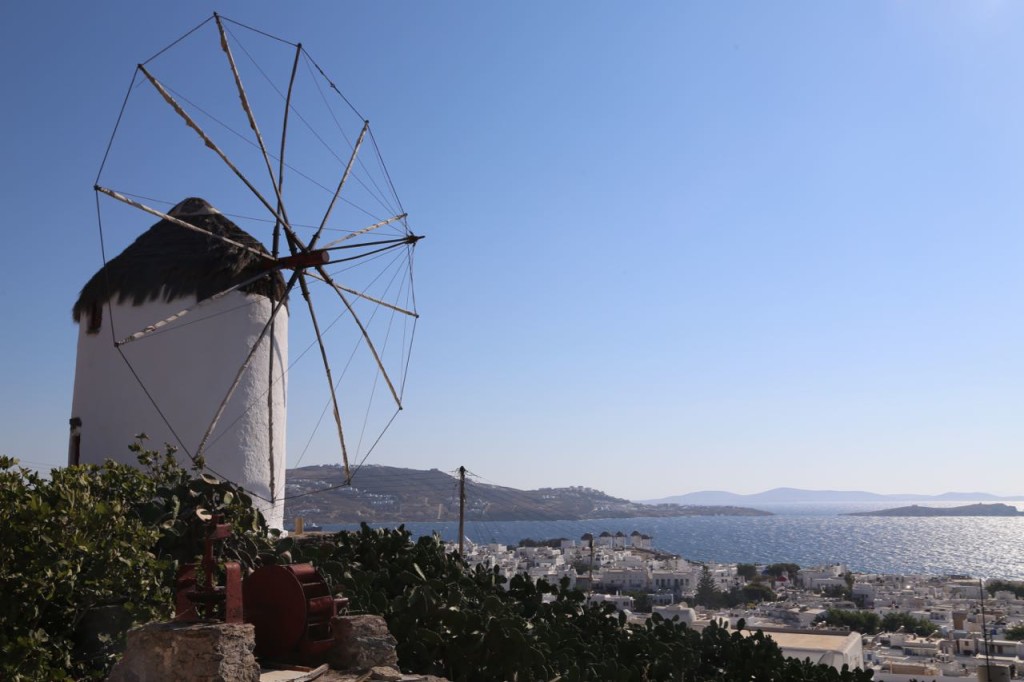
<point x="383" y="493"/>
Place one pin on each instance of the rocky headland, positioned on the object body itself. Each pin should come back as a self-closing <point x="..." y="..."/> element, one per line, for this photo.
<point x="980" y="509"/>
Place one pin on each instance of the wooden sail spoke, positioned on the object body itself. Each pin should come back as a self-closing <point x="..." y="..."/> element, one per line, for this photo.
<point x="330" y="377"/>
<point x="284" y="136"/>
<point x="182" y="223"/>
<point x="371" y="228"/>
<point x="341" y="183"/>
<point x="157" y="326"/>
<point x="226" y="47"/>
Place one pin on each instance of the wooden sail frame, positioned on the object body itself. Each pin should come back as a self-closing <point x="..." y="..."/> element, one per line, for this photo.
<point x="306" y="261"/>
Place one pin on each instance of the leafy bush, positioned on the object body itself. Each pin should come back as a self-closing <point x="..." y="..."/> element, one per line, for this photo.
<point x="68" y="545"/>
<point x="746" y="571"/>
<point x="869" y="623"/>
<point x="93" y="550"/>
<point x="182" y="502"/>
<point x="893" y="621"/>
<point x="865" y="622"/>
<point x="753" y="593"/>
<point x="1017" y="588"/>
<point x="554" y="543"/>
<point x="776" y="570"/>
<point x="709" y="596"/>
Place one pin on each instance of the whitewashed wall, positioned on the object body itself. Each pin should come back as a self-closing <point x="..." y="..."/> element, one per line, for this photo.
<point x="188" y="370"/>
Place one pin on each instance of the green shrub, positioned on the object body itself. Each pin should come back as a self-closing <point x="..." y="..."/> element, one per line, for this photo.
<point x="893" y="621"/>
<point x="92" y="550"/>
<point x="1014" y="586"/>
<point x="865" y="622"/>
<point x="68" y="545"/>
<point x="746" y="571"/>
<point x="776" y="570"/>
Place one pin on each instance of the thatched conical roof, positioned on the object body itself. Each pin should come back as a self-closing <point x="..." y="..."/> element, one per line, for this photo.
<point x="169" y="261"/>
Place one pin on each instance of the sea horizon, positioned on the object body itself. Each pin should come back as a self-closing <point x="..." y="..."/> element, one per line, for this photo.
<point x="808" y="534"/>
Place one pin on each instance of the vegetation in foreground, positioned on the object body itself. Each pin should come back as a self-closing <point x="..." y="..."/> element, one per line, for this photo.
<point x="92" y="538"/>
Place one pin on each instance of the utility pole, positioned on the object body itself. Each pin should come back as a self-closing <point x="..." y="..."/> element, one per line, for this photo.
<point x="462" y="509"/>
<point x="591" y="567"/>
<point x="984" y="631"/>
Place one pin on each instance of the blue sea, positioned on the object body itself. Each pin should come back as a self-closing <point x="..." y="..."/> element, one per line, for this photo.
<point x="807" y="534"/>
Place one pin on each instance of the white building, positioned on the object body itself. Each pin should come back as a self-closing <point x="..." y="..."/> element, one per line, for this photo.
<point x="864" y="594"/>
<point x="679" y="612"/>
<point x="829" y="648"/>
<point x="819" y="576"/>
<point x="621" y="602"/>
<point x="628" y="579"/>
<point x="170" y="381"/>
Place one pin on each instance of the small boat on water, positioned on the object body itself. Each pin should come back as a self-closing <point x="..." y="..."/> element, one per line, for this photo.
<point x="301" y="526"/>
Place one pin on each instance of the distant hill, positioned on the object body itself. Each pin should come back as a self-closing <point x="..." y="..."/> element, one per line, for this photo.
<point x="997" y="509"/>
<point x="383" y="493"/>
<point x="791" y="495"/>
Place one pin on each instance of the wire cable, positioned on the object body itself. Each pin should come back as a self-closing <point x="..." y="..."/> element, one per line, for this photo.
<point x="117" y="125"/>
<point x="203" y="23"/>
<point x="256" y="30"/>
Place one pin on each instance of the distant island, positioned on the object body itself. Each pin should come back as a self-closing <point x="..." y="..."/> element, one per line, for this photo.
<point x="393" y="494"/>
<point x="997" y="509"/>
<point x="799" y="496"/>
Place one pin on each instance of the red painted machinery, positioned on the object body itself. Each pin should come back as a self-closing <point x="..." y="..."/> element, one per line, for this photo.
<point x="290" y="606"/>
<point x="202" y="600"/>
<point x="291" y="609"/>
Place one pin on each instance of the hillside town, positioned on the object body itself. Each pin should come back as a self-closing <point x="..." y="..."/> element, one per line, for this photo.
<point x="970" y="626"/>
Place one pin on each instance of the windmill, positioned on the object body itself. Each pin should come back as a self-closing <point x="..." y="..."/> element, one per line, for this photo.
<point x="184" y="334"/>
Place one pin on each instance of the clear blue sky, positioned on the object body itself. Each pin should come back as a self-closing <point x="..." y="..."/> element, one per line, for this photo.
<point x="671" y="246"/>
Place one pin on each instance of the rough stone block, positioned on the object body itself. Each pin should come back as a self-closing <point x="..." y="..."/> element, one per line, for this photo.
<point x="386" y="674"/>
<point x="203" y="652"/>
<point x="362" y="643"/>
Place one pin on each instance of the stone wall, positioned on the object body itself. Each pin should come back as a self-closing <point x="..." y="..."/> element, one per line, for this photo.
<point x="362" y="643"/>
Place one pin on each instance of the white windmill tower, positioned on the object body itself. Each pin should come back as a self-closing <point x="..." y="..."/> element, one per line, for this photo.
<point x="184" y="334"/>
<point x="166" y="270"/>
